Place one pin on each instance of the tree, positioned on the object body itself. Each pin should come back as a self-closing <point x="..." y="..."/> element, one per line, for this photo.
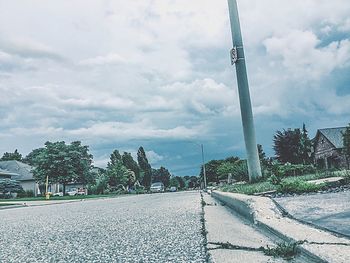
<point x="145" y="167"/>
<point x="10" y="186"/>
<point x="63" y="163"/>
<point x="262" y="156"/>
<point x="287" y="146"/>
<point x="181" y="182"/>
<point x="174" y="182"/>
<point x="114" y="158"/>
<point x="305" y="146"/>
<point x="346" y="143"/>
<point x="15" y="156"/>
<point x="161" y="175"/>
<point x="131" y="164"/>
<point x="31" y="157"/>
<point x="117" y="174"/>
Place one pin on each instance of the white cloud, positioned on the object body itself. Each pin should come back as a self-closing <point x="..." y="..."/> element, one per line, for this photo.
<point x="302" y="56"/>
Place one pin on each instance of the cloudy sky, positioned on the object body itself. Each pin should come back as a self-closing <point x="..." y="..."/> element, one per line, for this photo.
<point x="120" y="74"/>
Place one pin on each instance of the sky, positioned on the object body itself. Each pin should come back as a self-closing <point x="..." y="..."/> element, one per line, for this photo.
<point x="119" y="74"/>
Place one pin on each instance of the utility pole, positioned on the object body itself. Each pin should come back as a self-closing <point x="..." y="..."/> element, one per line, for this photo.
<point x="204" y="172"/>
<point x="237" y="57"/>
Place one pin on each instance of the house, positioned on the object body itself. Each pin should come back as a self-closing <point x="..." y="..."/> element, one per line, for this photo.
<point x="328" y="146"/>
<point x="21" y="172"/>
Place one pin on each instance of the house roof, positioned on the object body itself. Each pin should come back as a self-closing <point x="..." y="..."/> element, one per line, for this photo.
<point x="7" y="174"/>
<point x="19" y="171"/>
<point x="334" y="135"/>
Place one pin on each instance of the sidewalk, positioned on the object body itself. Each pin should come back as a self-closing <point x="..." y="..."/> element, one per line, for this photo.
<point x="318" y="245"/>
<point x="224" y="225"/>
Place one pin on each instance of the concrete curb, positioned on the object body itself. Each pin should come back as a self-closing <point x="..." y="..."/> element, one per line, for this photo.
<point x="319" y="246"/>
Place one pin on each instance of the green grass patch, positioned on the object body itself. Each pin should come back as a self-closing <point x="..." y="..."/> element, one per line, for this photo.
<point x="288" y="184"/>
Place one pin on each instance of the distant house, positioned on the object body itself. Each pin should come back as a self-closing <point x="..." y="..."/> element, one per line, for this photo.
<point x="328" y="146"/>
<point x="21" y="172"/>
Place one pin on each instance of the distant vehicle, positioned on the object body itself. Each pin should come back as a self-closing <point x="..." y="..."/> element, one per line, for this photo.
<point x="157" y="187"/>
<point x="76" y="191"/>
<point x="58" y="194"/>
<point x="173" y="189"/>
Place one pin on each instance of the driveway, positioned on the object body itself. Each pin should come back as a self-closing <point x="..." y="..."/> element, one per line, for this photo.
<point x="331" y="210"/>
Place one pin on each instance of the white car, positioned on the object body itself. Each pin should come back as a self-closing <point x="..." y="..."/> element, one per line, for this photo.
<point x="157" y="187"/>
<point x="58" y="194"/>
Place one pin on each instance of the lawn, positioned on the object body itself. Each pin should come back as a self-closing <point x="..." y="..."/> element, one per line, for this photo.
<point x="299" y="182"/>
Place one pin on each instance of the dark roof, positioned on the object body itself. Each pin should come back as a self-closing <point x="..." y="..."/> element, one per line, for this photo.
<point x="20" y="171"/>
<point x="334" y="135"/>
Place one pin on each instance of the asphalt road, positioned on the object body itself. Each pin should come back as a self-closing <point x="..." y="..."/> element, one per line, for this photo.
<point x="144" y="228"/>
<point x="331" y="210"/>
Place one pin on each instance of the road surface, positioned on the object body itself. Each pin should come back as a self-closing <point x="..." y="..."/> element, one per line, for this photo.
<point x="143" y="228"/>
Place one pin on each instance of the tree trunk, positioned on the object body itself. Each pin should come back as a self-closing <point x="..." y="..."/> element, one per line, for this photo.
<point x="64" y="189"/>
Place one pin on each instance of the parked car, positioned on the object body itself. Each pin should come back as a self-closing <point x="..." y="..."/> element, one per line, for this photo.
<point x="157" y="187"/>
<point x="58" y="194"/>
<point x="77" y="191"/>
<point x="173" y="189"/>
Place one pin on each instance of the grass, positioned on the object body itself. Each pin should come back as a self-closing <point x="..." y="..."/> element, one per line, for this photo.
<point x="53" y="198"/>
<point x="284" y="250"/>
<point x="290" y="184"/>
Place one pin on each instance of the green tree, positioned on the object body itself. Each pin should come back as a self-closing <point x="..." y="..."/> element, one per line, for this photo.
<point x="117" y="174"/>
<point x="114" y="158"/>
<point x="174" y="182"/>
<point x="15" y="156"/>
<point x="31" y="157"/>
<point x="63" y="163"/>
<point x="10" y="186"/>
<point x="262" y="157"/>
<point x="181" y="182"/>
<point x="346" y="143"/>
<point x="287" y="146"/>
<point x="305" y="146"/>
<point x="131" y="164"/>
<point x="161" y="175"/>
<point x="145" y="167"/>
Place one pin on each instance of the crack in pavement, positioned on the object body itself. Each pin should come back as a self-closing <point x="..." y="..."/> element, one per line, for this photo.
<point x="228" y="245"/>
<point x="323" y="243"/>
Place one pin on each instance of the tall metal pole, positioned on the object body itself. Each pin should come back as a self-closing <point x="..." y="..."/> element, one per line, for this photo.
<point x="237" y="57"/>
<point x="204" y="172"/>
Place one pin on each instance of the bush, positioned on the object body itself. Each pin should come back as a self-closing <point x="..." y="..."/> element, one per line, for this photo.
<point x="27" y="193"/>
<point x="292" y="169"/>
<point x="299" y="186"/>
<point x="274" y="180"/>
<point x="10" y="186"/>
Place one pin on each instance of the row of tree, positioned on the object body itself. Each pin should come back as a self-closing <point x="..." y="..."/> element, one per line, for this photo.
<point x="65" y="163"/>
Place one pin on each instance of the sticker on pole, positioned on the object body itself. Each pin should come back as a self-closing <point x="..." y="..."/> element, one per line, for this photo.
<point x="234" y="56"/>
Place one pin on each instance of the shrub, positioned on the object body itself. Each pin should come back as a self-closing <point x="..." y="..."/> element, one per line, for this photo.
<point x="274" y="180"/>
<point x="292" y="169"/>
<point x="27" y="193"/>
<point x="10" y="186"/>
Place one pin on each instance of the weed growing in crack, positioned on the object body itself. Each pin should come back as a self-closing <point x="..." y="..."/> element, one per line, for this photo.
<point x="284" y="250"/>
